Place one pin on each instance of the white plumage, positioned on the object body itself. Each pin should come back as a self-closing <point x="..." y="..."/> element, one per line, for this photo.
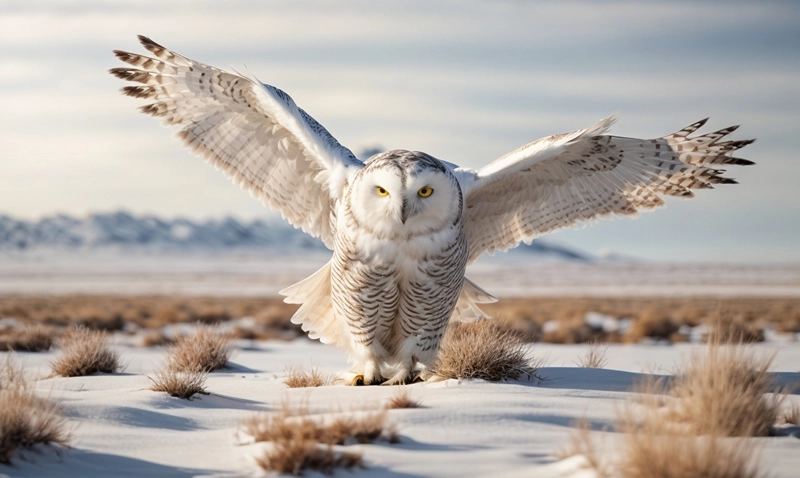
<point x="403" y="226"/>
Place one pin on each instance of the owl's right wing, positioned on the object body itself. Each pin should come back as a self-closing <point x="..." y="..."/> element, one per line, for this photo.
<point x="253" y="132"/>
<point x="561" y="180"/>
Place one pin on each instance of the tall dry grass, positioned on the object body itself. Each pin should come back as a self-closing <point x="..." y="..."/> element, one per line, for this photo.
<point x="484" y="351"/>
<point x="696" y="425"/>
<point x="25" y="419"/>
<point x="596" y="356"/>
<point x="725" y="391"/>
<point x="206" y="350"/>
<point x="299" y="441"/>
<point x="84" y="352"/>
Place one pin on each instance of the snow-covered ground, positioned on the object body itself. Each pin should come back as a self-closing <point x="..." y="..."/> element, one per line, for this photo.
<point x="468" y="428"/>
<point x="249" y="273"/>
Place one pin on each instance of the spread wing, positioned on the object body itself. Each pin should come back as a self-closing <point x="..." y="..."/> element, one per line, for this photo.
<point x="564" y="179"/>
<point x="253" y="132"/>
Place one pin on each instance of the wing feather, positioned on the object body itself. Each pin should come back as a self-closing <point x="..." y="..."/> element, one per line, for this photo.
<point x="253" y="132"/>
<point x="584" y="175"/>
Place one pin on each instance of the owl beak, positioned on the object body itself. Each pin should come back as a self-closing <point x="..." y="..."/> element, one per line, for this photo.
<point x="404" y="211"/>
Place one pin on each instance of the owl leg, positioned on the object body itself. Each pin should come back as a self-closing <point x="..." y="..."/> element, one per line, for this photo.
<point x="402" y="377"/>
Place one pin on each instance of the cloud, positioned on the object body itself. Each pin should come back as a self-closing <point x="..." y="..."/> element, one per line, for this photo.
<point x="467" y="81"/>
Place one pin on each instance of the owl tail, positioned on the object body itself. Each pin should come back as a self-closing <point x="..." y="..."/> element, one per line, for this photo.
<point x="315" y="316"/>
<point x="467" y="309"/>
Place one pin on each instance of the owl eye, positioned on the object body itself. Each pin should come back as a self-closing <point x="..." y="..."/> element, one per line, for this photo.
<point x="425" y="191"/>
<point x="382" y="192"/>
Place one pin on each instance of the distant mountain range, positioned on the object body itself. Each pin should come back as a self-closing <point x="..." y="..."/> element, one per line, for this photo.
<point x="121" y="230"/>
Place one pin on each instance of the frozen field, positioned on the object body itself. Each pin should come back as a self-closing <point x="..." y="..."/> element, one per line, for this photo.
<point x="251" y="274"/>
<point x="468" y="428"/>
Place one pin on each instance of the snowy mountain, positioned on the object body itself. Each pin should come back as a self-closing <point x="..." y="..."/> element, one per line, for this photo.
<point x="121" y="230"/>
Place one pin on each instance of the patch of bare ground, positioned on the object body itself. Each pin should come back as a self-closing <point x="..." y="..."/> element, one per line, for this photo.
<point x="484" y="351"/>
<point x="299" y="441"/>
<point x="25" y="419"/>
<point x="298" y="377"/>
<point x="546" y="319"/>
<point x="206" y="350"/>
<point x="697" y="425"/>
<point x="84" y="352"/>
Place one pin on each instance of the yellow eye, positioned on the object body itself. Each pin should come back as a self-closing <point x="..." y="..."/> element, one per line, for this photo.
<point x="382" y="192"/>
<point x="425" y="192"/>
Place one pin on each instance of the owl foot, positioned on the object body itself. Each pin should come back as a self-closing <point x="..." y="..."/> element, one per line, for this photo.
<point x="355" y="380"/>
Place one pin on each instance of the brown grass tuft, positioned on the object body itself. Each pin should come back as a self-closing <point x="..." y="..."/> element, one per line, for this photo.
<point x="696" y="425"/>
<point x="595" y="357"/>
<point x="723" y="392"/>
<point x="300" y="442"/>
<point x="297" y="377"/>
<point x="295" y="455"/>
<point x="206" y="350"/>
<point x="84" y="352"/>
<point x="482" y="350"/>
<point x="25" y="419"/>
<point x="31" y="338"/>
<point x="652" y="453"/>
<point x="156" y="339"/>
<point x="179" y="384"/>
<point x="402" y="399"/>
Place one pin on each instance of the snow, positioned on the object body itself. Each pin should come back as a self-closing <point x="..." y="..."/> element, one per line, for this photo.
<point x="467" y="428"/>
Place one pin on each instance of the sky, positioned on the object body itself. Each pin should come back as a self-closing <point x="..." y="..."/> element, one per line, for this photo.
<point x="466" y="81"/>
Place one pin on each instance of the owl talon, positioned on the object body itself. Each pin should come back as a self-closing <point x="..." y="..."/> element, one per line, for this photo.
<point x="358" y="381"/>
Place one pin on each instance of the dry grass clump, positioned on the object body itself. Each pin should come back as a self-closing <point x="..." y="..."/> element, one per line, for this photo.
<point x="156" y="339"/>
<point x="652" y="453"/>
<point x="484" y="351"/>
<point x="31" y="338"/>
<point x="295" y="455"/>
<point x="697" y="425"/>
<point x="654" y="324"/>
<point x="206" y="350"/>
<point x="84" y="352"/>
<point x="595" y="357"/>
<point x="402" y="399"/>
<point x="298" y="377"/>
<point x="300" y="442"/>
<point x="25" y="419"/>
<point x="723" y="392"/>
<point x="179" y="384"/>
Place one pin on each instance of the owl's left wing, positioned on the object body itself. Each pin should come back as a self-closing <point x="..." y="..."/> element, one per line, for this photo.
<point x="561" y="180"/>
<point x="253" y="132"/>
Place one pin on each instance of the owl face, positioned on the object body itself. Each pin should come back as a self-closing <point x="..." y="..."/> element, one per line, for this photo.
<point x="407" y="197"/>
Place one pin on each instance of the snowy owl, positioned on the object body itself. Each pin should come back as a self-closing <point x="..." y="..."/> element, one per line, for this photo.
<point x="403" y="225"/>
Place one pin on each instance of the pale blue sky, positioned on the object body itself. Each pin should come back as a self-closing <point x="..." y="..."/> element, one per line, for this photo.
<point x="466" y="81"/>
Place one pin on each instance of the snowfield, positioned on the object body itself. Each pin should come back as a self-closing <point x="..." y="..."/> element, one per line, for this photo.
<point x="467" y="428"/>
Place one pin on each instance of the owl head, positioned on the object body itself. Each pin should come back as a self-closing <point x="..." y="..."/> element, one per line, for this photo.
<point x="405" y="193"/>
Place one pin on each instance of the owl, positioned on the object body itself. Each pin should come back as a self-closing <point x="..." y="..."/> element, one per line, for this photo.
<point x="403" y="225"/>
